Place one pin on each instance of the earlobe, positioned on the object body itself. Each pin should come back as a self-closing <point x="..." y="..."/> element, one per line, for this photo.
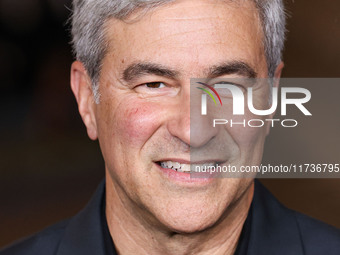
<point x="81" y="87"/>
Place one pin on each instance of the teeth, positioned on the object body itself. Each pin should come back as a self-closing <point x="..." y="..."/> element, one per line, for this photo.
<point x="169" y="164"/>
<point x="185" y="167"/>
<point x="176" y="165"/>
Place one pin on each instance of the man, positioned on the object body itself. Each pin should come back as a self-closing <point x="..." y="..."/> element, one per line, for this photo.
<point x="131" y="80"/>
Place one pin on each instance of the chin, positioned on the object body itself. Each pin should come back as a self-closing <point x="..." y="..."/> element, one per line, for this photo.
<point x="191" y="221"/>
<point x="199" y="212"/>
<point x="192" y="226"/>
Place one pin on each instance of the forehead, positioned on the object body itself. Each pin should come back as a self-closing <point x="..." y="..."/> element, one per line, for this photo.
<point x="202" y="31"/>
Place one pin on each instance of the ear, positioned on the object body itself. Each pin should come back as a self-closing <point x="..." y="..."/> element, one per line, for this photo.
<point x="276" y="84"/>
<point x="82" y="90"/>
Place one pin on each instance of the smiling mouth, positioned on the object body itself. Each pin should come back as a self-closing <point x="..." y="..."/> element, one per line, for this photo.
<point x="185" y="168"/>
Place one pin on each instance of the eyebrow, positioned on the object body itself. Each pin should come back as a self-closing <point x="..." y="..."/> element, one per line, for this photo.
<point x="234" y="67"/>
<point x="139" y="69"/>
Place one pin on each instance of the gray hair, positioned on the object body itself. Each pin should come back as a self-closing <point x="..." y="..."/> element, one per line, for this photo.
<point x="88" y="33"/>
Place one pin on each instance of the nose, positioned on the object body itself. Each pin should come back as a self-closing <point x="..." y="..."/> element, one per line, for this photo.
<point x="187" y="123"/>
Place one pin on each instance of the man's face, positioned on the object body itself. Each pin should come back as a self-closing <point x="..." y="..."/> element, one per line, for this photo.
<point x="143" y="118"/>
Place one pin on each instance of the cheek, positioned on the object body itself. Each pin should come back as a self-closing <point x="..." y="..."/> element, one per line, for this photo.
<point x="254" y="132"/>
<point x="138" y="122"/>
<point x="248" y="138"/>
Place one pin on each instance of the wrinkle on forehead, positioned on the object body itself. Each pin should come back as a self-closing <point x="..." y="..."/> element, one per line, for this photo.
<point x="192" y="10"/>
<point x="188" y="26"/>
<point x="187" y="16"/>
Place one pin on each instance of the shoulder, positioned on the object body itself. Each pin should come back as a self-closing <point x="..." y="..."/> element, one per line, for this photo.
<point x="279" y="230"/>
<point x="44" y="243"/>
<point x="318" y="237"/>
<point x="81" y="234"/>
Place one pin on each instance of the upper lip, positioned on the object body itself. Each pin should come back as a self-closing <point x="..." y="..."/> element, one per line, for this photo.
<point x="184" y="161"/>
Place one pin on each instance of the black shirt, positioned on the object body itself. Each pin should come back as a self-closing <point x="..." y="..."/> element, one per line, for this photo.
<point x="108" y="243"/>
<point x="269" y="229"/>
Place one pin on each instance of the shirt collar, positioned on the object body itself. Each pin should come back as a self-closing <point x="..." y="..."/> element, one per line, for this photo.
<point x="85" y="232"/>
<point x="273" y="228"/>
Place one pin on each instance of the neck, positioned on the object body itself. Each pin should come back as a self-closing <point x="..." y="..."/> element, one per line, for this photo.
<point x="135" y="235"/>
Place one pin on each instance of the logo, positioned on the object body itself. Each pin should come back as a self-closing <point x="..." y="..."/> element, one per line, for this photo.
<point x="204" y="96"/>
<point x="287" y="96"/>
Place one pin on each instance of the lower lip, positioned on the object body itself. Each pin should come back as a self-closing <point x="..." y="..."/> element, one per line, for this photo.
<point x="182" y="177"/>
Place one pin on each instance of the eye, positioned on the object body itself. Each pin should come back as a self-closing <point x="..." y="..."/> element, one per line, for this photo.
<point x="154" y="85"/>
<point x="155" y="89"/>
<point x="224" y="92"/>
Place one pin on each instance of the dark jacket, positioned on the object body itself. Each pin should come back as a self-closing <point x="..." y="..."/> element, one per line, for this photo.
<point x="274" y="230"/>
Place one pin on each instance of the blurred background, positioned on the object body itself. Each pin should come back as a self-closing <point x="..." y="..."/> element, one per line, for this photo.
<point x="49" y="168"/>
